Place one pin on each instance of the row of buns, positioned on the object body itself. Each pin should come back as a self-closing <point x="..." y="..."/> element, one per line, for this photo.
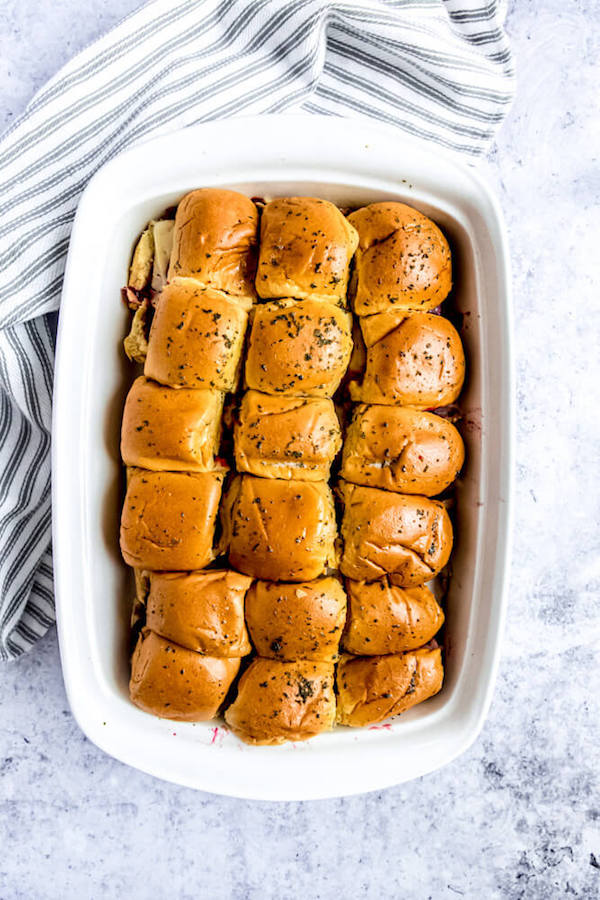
<point x="277" y="515"/>
<point x="198" y="627"/>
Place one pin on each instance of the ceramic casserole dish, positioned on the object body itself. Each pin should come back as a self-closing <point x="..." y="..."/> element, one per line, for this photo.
<point x="350" y="163"/>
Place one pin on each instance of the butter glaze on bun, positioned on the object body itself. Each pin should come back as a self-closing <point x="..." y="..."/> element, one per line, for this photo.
<point x="174" y="683"/>
<point x="279" y="530"/>
<point x="404" y="536"/>
<point x="168" y="519"/>
<point x="203" y="611"/>
<point x="374" y="688"/>
<point x="300" y="348"/>
<point x="414" y="359"/>
<point x="283" y="701"/>
<point x="402" y="262"/>
<point x="384" y="618"/>
<point x="296" y="621"/>
<point x="215" y="241"/>
<point x="196" y="338"/>
<point x="286" y="437"/>
<point x="170" y="430"/>
<point x="306" y="246"/>
<point x="401" y="449"/>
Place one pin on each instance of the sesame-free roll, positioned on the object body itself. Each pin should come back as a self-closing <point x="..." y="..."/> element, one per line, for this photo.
<point x="401" y="449"/>
<point x="306" y="246"/>
<point x="384" y="618"/>
<point x="413" y="359"/>
<point x="286" y="437"/>
<point x="283" y="701"/>
<point x="279" y="530"/>
<point x="215" y="241"/>
<point x="170" y="430"/>
<point x="373" y="688"/>
<point x="168" y="519"/>
<point x="203" y="611"/>
<point x="402" y="261"/>
<point x="407" y="537"/>
<point x="300" y="348"/>
<point x="296" y="621"/>
<point x="196" y="338"/>
<point x="175" y="683"/>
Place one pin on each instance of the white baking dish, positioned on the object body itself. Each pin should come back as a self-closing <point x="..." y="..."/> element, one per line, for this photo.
<point x="350" y="163"/>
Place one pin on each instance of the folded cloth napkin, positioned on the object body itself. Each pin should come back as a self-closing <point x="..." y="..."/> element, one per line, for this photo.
<point x="440" y="69"/>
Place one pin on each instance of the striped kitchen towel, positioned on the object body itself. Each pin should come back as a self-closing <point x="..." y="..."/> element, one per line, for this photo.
<point x="440" y="69"/>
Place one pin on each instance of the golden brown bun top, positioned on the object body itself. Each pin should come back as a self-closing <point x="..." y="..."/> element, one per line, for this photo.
<point x="296" y="621"/>
<point x="170" y="430"/>
<point x="169" y="681"/>
<point x="306" y="245"/>
<point x="383" y="618"/>
<point x="286" y="437"/>
<point x="402" y="449"/>
<point x="215" y="241"/>
<point x="283" y="701"/>
<point x="402" y="262"/>
<point x="374" y="688"/>
<point x="414" y="359"/>
<point x="168" y="519"/>
<point x="203" y="611"/>
<point x="279" y="530"/>
<point x="196" y="338"/>
<point x="405" y="536"/>
<point x="298" y="348"/>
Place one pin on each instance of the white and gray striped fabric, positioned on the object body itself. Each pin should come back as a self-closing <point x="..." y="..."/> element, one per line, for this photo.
<point x="440" y="69"/>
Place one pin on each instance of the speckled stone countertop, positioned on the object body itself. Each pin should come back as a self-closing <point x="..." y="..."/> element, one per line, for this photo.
<point x="519" y="814"/>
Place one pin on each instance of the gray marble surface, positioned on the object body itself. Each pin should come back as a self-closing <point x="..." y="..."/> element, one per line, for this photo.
<point x="519" y="814"/>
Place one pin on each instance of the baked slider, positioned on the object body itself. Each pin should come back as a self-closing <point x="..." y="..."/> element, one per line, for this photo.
<point x="414" y="359"/>
<point x="306" y="246"/>
<point x="279" y="530"/>
<point x="402" y="261"/>
<point x="196" y="338"/>
<point x="215" y="242"/>
<point x="203" y="611"/>
<point x="404" y="536"/>
<point x="170" y="430"/>
<point x="296" y="621"/>
<point x="384" y="618"/>
<point x="298" y="347"/>
<point x="283" y="701"/>
<point x="374" y="688"/>
<point x="286" y="437"/>
<point x="168" y="519"/>
<point x="175" y="683"/>
<point x="401" y="449"/>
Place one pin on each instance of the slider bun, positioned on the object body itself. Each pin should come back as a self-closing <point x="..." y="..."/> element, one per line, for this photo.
<point x="300" y="348"/>
<point x="402" y="449"/>
<point x="203" y="611"/>
<point x="406" y="537"/>
<point x="175" y="683"/>
<point x="286" y="437"/>
<point x="215" y="241"/>
<point x="196" y="338"/>
<point x="383" y="618"/>
<point x="412" y="360"/>
<point x="374" y="688"/>
<point x="283" y="701"/>
<point x="164" y="429"/>
<point x="296" y="621"/>
<point x="168" y="519"/>
<point x="305" y="250"/>
<point x="279" y="530"/>
<point x="402" y="261"/>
